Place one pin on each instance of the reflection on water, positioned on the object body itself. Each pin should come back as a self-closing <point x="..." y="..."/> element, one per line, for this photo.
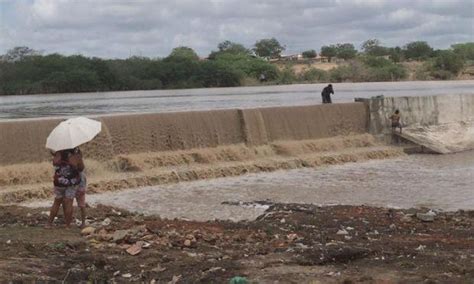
<point x="215" y="98"/>
<point x="435" y="181"/>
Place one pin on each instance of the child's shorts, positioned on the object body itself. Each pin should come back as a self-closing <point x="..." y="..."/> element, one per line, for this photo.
<point x="65" y="192"/>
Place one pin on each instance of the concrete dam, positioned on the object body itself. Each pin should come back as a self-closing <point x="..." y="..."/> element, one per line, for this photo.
<point x="150" y="149"/>
<point x="442" y="124"/>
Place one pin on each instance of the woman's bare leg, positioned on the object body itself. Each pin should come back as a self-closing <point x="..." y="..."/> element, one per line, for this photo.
<point x="83" y="216"/>
<point x="54" y="211"/>
<point x="68" y="211"/>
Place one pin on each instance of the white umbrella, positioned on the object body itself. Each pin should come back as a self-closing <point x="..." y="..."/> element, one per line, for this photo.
<point x="72" y="133"/>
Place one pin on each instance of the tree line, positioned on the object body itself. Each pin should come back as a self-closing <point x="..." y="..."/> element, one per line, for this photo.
<point x="26" y="71"/>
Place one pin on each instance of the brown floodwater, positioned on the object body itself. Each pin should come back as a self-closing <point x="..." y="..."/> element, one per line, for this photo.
<point x="47" y="105"/>
<point x="442" y="182"/>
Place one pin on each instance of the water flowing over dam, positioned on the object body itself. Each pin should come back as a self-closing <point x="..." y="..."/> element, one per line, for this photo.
<point x="443" y="124"/>
<point x="138" y="150"/>
<point x="148" y="149"/>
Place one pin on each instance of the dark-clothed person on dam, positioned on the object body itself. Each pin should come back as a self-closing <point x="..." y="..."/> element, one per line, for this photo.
<point x="326" y="94"/>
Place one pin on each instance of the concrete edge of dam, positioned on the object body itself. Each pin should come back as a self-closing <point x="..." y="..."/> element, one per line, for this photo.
<point x="441" y="123"/>
<point x="23" y="141"/>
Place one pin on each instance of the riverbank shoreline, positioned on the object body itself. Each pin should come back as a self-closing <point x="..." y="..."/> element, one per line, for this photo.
<point x="291" y="243"/>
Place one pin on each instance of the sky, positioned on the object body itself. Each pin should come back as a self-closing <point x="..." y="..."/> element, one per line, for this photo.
<point x="123" y="28"/>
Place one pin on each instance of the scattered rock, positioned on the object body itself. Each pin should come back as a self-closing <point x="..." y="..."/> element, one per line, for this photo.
<point x="175" y="279"/>
<point x="87" y="231"/>
<point x="187" y="243"/>
<point x="426" y="217"/>
<point x="158" y="268"/>
<point x="292" y="237"/>
<point x="127" y="275"/>
<point x="406" y="219"/>
<point x="120" y="235"/>
<point x="134" y="249"/>
<point x="421" y="248"/>
<point x="106" y="222"/>
<point x="342" y="232"/>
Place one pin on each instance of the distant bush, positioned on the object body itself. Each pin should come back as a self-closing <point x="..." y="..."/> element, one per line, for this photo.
<point x="466" y="50"/>
<point x="314" y="75"/>
<point x="448" y="61"/>
<point x="287" y="76"/>
<point x="309" y="53"/>
<point x="368" y="69"/>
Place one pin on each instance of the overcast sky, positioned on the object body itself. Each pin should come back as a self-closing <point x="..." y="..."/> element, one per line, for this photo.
<point x="120" y="28"/>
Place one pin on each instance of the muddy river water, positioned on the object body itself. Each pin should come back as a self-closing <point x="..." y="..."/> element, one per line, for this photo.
<point x="215" y="98"/>
<point x="444" y="182"/>
<point x="436" y="181"/>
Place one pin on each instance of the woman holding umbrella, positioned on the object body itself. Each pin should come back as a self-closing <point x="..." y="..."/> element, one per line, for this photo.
<point x="68" y="164"/>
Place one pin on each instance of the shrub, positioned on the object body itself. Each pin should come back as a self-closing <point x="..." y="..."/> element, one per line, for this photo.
<point x="314" y="75"/>
<point x="287" y="76"/>
<point x="309" y="53"/>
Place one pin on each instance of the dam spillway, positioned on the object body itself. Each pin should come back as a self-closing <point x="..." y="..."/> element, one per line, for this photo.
<point x="443" y="124"/>
<point x="138" y="150"/>
<point x="22" y="141"/>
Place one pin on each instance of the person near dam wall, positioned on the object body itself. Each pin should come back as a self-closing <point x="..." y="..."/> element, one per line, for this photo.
<point x="326" y="94"/>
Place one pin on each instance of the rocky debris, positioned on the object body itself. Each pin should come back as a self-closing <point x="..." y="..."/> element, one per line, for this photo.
<point x="87" y="231"/>
<point x="120" y="235"/>
<point x="106" y="222"/>
<point x="426" y="217"/>
<point x="342" y="232"/>
<point x="345" y="239"/>
<point x="331" y="254"/>
<point x="134" y="249"/>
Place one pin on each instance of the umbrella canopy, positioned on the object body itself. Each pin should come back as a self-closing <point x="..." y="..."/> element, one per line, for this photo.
<point x="72" y="133"/>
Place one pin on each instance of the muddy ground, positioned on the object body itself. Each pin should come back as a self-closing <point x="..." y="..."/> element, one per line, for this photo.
<point x="289" y="243"/>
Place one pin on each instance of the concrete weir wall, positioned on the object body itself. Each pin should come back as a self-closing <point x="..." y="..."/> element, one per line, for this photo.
<point x="23" y="141"/>
<point x="426" y="110"/>
<point x="442" y="123"/>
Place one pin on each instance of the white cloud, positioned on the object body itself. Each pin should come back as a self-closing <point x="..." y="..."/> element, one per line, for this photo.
<point x="118" y="28"/>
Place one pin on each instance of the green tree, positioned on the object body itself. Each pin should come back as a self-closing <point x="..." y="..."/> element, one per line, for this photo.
<point x="252" y="67"/>
<point x="268" y="48"/>
<point x="19" y="53"/>
<point x="417" y="50"/>
<point x="449" y="61"/>
<point x="396" y="54"/>
<point x="232" y="47"/>
<point x="183" y="52"/>
<point x="329" y="51"/>
<point x="309" y="53"/>
<point x="466" y="50"/>
<point x="229" y="47"/>
<point x="345" y="51"/>
<point x="216" y="74"/>
<point x="373" y="47"/>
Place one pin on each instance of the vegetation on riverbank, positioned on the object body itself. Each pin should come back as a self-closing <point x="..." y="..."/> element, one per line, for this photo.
<point x="26" y="71"/>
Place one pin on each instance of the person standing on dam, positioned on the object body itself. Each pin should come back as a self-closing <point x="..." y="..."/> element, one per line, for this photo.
<point x="395" y="118"/>
<point x="326" y="94"/>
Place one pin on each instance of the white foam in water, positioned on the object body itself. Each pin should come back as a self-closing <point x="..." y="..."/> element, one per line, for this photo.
<point x="443" y="138"/>
<point x="434" y="181"/>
